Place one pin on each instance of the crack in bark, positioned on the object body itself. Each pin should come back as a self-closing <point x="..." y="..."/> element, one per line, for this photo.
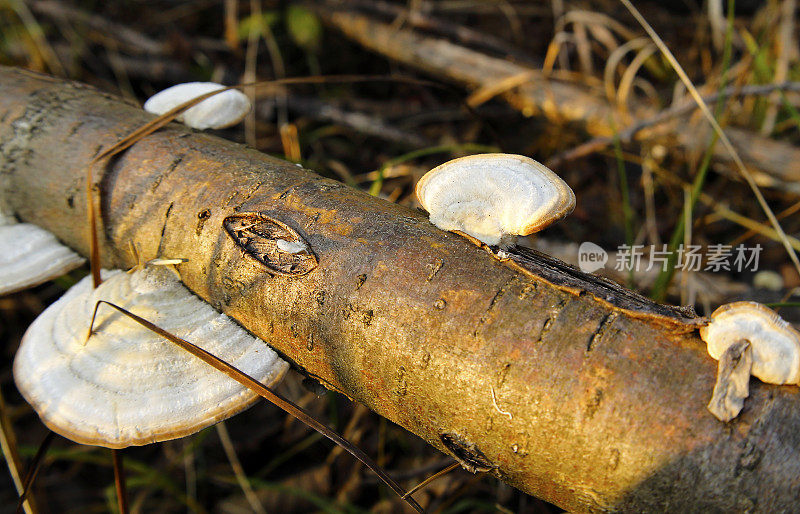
<point x="435" y="268"/>
<point x="164" y="229"/>
<point x="601" y="330"/>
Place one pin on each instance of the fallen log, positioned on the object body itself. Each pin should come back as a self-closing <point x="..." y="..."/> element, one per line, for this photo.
<point x="773" y="163"/>
<point x="566" y="386"/>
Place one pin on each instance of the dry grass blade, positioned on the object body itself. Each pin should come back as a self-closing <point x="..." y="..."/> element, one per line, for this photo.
<point x="748" y="177"/>
<point x="34" y="469"/>
<point x="431" y="478"/>
<point x="162" y="120"/>
<point x="125" y="143"/>
<point x="750" y="233"/>
<point x="493" y="89"/>
<point x="167" y="117"/>
<point x="629" y="77"/>
<point x="785" y="42"/>
<point x="266" y="393"/>
<point x="613" y="63"/>
<point x="238" y="470"/>
<point x="119" y="482"/>
<point x="37" y="34"/>
<point x="598" y="143"/>
<point x="8" y="445"/>
<point x="723" y="211"/>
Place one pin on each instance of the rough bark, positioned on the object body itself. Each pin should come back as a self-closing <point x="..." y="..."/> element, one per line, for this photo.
<point x="523" y="367"/>
<point x="773" y="163"/>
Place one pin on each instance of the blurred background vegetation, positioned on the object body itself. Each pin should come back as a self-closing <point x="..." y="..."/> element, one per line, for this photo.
<point x="576" y="84"/>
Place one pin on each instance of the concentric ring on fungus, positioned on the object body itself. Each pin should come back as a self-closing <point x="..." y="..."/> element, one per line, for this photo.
<point x="494" y="197"/>
<point x="126" y="385"/>
<point x="30" y="256"/>
<point x="775" y="343"/>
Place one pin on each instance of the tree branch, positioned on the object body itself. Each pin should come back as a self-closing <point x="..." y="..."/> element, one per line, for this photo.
<point x="606" y="392"/>
<point x="773" y="163"/>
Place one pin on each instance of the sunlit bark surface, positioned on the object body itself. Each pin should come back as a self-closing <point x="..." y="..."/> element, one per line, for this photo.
<point x="565" y="388"/>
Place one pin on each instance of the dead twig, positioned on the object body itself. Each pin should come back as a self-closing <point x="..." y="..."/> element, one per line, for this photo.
<point x="627" y="135"/>
<point x="558" y="100"/>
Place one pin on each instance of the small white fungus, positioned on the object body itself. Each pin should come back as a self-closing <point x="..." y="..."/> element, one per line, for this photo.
<point x="775" y="343"/>
<point x="494" y="197"/>
<point x="216" y="112"/>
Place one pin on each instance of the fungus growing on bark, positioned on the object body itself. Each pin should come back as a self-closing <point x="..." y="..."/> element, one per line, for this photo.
<point x="494" y="197"/>
<point x="775" y="347"/>
<point x="733" y="381"/>
<point x="126" y="385"/>
<point x="219" y="111"/>
<point x="31" y="255"/>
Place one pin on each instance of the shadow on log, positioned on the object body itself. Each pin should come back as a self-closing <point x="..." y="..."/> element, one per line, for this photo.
<point x="563" y="394"/>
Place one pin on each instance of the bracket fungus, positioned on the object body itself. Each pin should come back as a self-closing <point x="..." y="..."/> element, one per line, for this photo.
<point x="219" y="111"/>
<point x="774" y="343"/>
<point x="126" y="385"/>
<point x="30" y="256"/>
<point x="494" y="197"/>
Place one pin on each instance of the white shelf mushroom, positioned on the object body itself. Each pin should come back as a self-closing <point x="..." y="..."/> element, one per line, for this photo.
<point x="30" y="255"/>
<point x="776" y="345"/>
<point x="494" y="197"/>
<point x="126" y="385"/>
<point x="749" y="338"/>
<point x="216" y="112"/>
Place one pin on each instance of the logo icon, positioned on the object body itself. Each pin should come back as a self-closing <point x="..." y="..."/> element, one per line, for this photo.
<point x="591" y="257"/>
